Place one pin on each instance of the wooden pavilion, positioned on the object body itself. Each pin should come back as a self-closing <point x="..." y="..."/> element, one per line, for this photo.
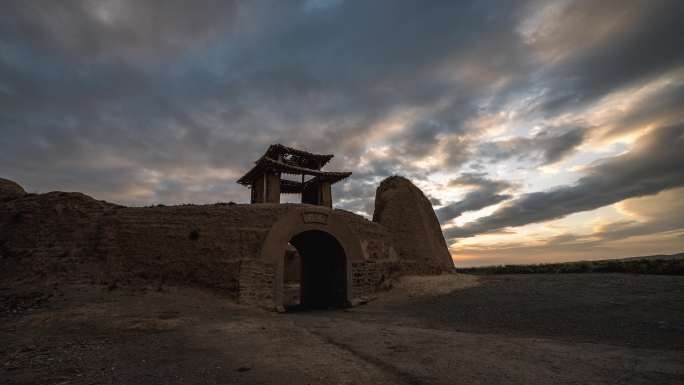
<point x="266" y="183"/>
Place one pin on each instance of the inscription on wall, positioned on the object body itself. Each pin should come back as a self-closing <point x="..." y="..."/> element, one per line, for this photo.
<point x="315" y="217"/>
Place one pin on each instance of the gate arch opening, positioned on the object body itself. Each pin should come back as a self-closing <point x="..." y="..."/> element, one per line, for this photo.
<point x="295" y="225"/>
<point x="322" y="271"/>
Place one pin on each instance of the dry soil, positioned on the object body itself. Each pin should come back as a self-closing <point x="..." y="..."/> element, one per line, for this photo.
<point x="522" y="329"/>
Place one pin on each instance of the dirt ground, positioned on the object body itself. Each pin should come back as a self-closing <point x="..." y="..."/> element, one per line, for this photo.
<point x="522" y="329"/>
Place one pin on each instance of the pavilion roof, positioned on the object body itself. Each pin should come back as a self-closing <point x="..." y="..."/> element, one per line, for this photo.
<point x="267" y="163"/>
<point x="297" y="157"/>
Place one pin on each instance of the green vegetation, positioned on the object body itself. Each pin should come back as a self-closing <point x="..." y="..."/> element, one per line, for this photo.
<point x="661" y="264"/>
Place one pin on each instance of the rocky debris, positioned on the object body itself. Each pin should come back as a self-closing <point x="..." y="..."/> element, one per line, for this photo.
<point x="407" y="213"/>
<point x="10" y="190"/>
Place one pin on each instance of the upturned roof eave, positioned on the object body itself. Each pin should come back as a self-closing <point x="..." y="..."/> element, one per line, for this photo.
<point x="265" y="163"/>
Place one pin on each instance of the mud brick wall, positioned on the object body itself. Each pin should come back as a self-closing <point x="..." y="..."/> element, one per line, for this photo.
<point x="256" y="283"/>
<point x="380" y="258"/>
<point x="79" y="239"/>
<point x="74" y="237"/>
<point x="200" y="245"/>
<point x="56" y="234"/>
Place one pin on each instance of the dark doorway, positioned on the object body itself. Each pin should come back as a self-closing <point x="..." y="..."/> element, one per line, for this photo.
<point x="322" y="271"/>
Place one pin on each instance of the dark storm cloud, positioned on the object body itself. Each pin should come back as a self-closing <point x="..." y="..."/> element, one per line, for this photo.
<point x="434" y="200"/>
<point x="486" y="192"/>
<point x="623" y="230"/>
<point x="112" y="28"/>
<point x="661" y="227"/>
<point x="652" y="166"/>
<point x="624" y="43"/>
<point x="656" y="214"/>
<point x="117" y="87"/>
<point x="545" y="147"/>
<point x="663" y="107"/>
<point x="143" y="101"/>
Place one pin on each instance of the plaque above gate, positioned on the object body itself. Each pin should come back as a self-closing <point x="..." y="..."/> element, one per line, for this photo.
<point x="315" y="217"/>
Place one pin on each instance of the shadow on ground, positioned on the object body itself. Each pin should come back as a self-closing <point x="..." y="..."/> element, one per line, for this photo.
<point x="610" y="329"/>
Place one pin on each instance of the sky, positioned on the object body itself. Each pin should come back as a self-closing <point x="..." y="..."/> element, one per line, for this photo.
<point x="541" y="131"/>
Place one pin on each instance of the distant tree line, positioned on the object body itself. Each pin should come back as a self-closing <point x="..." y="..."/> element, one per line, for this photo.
<point x="635" y="266"/>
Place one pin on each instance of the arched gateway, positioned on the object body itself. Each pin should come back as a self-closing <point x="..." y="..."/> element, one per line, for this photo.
<point x="327" y="247"/>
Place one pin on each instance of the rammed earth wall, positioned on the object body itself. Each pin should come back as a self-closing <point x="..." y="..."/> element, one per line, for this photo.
<point x="213" y="246"/>
<point x="234" y="248"/>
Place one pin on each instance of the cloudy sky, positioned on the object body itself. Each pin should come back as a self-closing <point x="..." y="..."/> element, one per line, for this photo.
<point x="540" y="130"/>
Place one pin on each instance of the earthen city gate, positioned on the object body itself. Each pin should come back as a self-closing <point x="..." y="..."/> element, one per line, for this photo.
<point x="328" y="250"/>
<point x="238" y="249"/>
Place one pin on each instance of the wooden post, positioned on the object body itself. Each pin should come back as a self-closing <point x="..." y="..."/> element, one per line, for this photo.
<point x="272" y="183"/>
<point x="303" y="200"/>
<point x="325" y="191"/>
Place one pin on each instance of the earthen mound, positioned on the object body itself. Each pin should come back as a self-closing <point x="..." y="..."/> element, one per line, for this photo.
<point x="407" y="213"/>
<point x="10" y="190"/>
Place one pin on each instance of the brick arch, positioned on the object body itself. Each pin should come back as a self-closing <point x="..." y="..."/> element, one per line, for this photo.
<point x="300" y="220"/>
